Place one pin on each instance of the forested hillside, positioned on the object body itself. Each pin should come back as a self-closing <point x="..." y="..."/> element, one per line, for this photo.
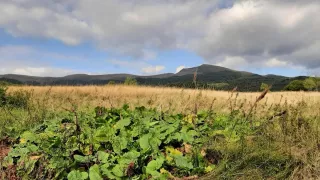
<point x="207" y="77"/>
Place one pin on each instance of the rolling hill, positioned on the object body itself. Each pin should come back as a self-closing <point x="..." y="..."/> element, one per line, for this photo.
<point x="208" y="76"/>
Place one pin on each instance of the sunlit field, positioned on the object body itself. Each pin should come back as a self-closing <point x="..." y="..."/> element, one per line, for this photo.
<point x="213" y="135"/>
<point x="172" y="99"/>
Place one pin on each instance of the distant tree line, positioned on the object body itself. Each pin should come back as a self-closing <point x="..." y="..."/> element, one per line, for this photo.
<point x="243" y="84"/>
<point x="6" y="82"/>
<point x="308" y="84"/>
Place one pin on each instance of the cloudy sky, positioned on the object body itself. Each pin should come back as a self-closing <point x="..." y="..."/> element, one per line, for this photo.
<point x="60" y="37"/>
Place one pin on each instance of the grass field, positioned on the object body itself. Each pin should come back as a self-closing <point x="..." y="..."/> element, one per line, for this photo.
<point x="253" y="136"/>
<point x="172" y="99"/>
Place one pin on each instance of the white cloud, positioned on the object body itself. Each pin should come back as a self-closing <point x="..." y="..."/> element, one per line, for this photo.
<point x="41" y="71"/>
<point x="258" y="31"/>
<point x="233" y="62"/>
<point x="37" y="71"/>
<point x="275" y="63"/>
<point x="179" y="68"/>
<point x="19" y="19"/>
<point x="125" y="27"/>
<point x="261" y="32"/>
<point x="152" y="69"/>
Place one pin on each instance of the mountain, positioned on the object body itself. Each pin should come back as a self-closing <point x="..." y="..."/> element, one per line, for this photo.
<point x="205" y="69"/>
<point x="208" y="76"/>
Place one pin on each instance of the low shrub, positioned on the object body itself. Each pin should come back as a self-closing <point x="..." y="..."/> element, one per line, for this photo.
<point x="16" y="99"/>
<point x="3" y="91"/>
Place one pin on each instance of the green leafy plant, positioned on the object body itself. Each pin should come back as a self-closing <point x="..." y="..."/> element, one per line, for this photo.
<point x="119" y="143"/>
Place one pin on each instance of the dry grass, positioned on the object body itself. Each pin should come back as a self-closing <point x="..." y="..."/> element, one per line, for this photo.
<point x="173" y="99"/>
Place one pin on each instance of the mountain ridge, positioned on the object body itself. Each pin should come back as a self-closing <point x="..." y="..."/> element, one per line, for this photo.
<point x="207" y="76"/>
<point x="126" y="74"/>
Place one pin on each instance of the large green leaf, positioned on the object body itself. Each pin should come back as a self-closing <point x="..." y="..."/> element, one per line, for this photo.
<point x="104" y="134"/>
<point x="144" y="142"/>
<point x="103" y="157"/>
<point x="153" y="123"/>
<point x="105" y="169"/>
<point x="129" y="157"/>
<point x="136" y="130"/>
<point x="154" y="165"/>
<point x="189" y="136"/>
<point x="28" y="136"/>
<point x="82" y="159"/>
<point x="155" y="143"/>
<point x="17" y="152"/>
<point x="94" y="173"/>
<point x="77" y="175"/>
<point x="119" y="144"/>
<point x="182" y="162"/>
<point x="33" y="148"/>
<point x="123" y="123"/>
<point x="118" y="170"/>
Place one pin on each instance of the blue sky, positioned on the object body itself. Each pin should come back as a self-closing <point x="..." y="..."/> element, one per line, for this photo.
<point x="86" y="58"/>
<point x="56" y="38"/>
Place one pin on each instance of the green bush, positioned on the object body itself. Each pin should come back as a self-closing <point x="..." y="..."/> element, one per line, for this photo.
<point x="130" y="81"/>
<point x="310" y="84"/>
<point x="296" y="85"/>
<point x="18" y="99"/>
<point x="111" y="83"/>
<point x="4" y="83"/>
<point x="264" y="86"/>
<point x="3" y="91"/>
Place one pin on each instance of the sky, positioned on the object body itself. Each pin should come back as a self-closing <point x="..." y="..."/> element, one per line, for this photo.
<point x="145" y="37"/>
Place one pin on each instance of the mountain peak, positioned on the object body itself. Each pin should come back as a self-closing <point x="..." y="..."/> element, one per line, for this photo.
<point x="202" y="69"/>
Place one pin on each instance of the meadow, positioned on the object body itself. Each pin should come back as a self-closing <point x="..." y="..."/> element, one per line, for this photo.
<point x="171" y="99"/>
<point x="217" y="135"/>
